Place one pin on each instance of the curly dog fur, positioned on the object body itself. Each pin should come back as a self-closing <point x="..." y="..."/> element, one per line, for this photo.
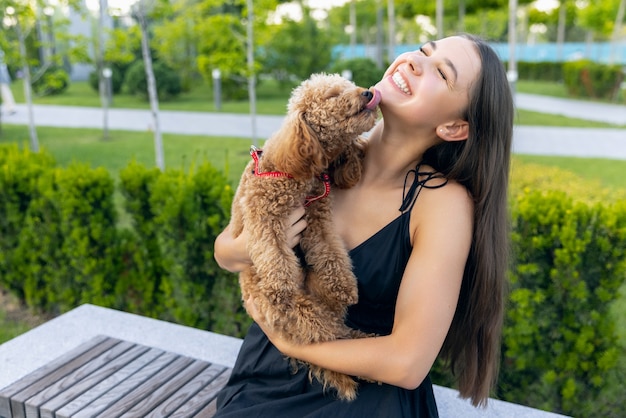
<point x="326" y="114"/>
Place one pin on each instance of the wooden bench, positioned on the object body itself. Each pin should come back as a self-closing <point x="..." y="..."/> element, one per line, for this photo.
<point x="109" y="377"/>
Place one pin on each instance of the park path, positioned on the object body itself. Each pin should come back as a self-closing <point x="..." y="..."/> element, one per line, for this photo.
<point x="539" y="140"/>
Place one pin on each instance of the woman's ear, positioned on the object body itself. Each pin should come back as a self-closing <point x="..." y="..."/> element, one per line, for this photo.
<point x="457" y="130"/>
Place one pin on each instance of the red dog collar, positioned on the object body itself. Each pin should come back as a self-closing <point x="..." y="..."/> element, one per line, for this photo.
<point x="256" y="154"/>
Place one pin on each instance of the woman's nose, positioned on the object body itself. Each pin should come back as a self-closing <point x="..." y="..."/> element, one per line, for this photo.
<point x="415" y="62"/>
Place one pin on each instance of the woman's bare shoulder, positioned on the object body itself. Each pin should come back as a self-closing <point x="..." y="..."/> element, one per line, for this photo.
<point x="445" y="208"/>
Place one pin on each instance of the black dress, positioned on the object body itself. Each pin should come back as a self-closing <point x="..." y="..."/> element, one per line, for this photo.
<point x="263" y="384"/>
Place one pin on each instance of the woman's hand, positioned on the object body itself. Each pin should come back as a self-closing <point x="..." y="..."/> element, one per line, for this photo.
<point x="281" y="344"/>
<point x="296" y="224"/>
<point x="231" y="253"/>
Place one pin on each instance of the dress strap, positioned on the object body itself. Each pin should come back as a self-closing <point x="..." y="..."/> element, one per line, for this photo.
<point x="409" y="196"/>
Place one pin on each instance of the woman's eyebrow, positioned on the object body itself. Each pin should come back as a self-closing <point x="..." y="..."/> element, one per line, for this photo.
<point x="433" y="46"/>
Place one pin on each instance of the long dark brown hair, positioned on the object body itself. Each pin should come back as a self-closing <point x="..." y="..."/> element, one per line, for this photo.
<point x="481" y="163"/>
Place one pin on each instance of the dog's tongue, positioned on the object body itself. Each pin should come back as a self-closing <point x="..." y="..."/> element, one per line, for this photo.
<point x="375" y="99"/>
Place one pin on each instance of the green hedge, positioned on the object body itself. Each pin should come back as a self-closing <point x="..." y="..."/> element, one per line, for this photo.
<point x="542" y="71"/>
<point x="560" y="342"/>
<point x="61" y="246"/>
<point x="585" y="78"/>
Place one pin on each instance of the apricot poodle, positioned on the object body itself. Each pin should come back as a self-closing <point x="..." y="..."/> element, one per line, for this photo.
<point x="318" y="145"/>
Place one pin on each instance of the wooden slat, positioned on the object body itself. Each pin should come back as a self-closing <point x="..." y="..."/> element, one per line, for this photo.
<point x="119" y="391"/>
<point x="17" y="400"/>
<point x="204" y="396"/>
<point x="162" y="394"/>
<point x="107" y="377"/>
<point x="188" y="399"/>
<point x="58" y="387"/>
<point x="208" y="411"/>
<point x="146" y="389"/>
<point x="19" y="385"/>
<point x="111" y="362"/>
<point x="112" y="381"/>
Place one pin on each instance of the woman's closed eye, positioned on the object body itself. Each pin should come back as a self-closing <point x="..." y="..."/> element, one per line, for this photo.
<point x="441" y="72"/>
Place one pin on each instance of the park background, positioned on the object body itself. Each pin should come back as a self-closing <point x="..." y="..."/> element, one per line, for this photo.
<point x="94" y="216"/>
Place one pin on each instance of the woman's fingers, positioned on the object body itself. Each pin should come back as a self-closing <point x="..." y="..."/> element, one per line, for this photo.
<point x="297" y="224"/>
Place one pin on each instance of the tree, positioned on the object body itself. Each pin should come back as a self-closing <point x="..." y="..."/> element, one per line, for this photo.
<point x="297" y="49"/>
<point x="601" y="18"/>
<point x="139" y="12"/>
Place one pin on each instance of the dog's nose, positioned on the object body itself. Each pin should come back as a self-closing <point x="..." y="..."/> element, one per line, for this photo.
<point x="368" y="95"/>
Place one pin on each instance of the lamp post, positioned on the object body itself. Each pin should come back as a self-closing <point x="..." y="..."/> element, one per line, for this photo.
<point x="12" y="19"/>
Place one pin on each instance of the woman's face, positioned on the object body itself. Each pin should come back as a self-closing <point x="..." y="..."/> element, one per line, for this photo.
<point x="430" y="86"/>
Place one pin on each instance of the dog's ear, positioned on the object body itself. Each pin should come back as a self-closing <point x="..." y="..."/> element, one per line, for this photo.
<point x="346" y="169"/>
<point x="299" y="153"/>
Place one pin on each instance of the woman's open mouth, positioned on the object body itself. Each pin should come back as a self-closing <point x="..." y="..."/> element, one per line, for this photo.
<point x="398" y="80"/>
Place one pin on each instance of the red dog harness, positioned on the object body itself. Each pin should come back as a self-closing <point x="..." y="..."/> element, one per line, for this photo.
<point x="256" y="154"/>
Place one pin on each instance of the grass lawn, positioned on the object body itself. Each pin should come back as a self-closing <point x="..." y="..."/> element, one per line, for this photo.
<point x="549" y="88"/>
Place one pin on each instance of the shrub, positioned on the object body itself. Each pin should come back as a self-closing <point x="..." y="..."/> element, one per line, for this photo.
<point x="586" y="78"/>
<point x="364" y="71"/>
<point x="544" y="71"/>
<point x="167" y="81"/>
<point x="176" y="218"/>
<point x="19" y="174"/>
<point x="68" y="248"/>
<point x="559" y="338"/>
<point x="54" y="80"/>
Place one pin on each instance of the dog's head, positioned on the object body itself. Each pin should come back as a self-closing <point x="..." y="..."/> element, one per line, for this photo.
<point x="326" y="114"/>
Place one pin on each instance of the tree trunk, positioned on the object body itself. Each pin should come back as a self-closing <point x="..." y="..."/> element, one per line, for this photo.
<point x="560" y="32"/>
<point x="152" y="91"/>
<point x="391" y="18"/>
<point x="102" y="82"/>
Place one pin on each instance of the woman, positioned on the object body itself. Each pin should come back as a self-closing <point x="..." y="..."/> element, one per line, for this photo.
<point x="431" y="274"/>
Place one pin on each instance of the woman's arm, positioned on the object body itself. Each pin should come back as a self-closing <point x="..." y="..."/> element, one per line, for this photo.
<point x="231" y="253"/>
<point x="426" y="301"/>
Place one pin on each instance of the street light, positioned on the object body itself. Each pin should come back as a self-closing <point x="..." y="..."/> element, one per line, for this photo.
<point x="12" y="20"/>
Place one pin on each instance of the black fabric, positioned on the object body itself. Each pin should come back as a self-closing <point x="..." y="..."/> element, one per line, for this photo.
<point x="264" y="385"/>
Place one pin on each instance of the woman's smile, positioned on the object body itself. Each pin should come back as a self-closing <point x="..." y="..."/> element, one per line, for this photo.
<point x="400" y="82"/>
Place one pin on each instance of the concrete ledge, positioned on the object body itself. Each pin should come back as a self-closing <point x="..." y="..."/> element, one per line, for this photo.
<point x="32" y="350"/>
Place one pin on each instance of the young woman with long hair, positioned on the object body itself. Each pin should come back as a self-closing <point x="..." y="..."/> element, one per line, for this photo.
<point x="427" y="232"/>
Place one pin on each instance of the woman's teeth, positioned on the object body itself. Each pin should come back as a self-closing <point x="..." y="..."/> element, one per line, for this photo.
<point x="399" y="81"/>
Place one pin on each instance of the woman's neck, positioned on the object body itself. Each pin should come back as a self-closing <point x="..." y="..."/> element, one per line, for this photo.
<point x="390" y="155"/>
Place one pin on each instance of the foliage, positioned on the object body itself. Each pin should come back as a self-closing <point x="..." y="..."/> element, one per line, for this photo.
<point x="61" y="245"/>
<point x="585" y="78"/>
<point x="490" y="24"/>
<point x="175" y="220"/>
<point x="54" y="80"/>
<point x="599" y="17"/>
<point x="19" y="171"/>
<point x="546" y="71"/>
<point x="560" y="340"/>
<point x="297" y="50"/>
<point x="364" y="71"/>
<point x="68" y="48"/>
<point x="167" y="80"/>
<point x="223" y="48"/>
<point x="71" y="258"/>
<point x="122" y="49"/>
